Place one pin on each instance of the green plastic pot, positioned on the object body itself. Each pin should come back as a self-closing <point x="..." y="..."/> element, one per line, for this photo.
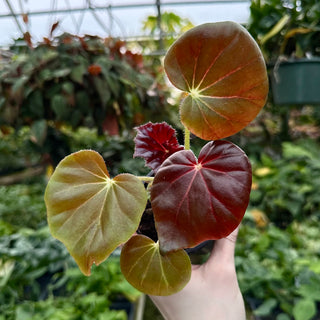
<point x="296" y="82"/>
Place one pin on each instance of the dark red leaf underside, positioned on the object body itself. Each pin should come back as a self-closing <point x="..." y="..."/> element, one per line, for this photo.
<point x="196" y="200"/>
<point x="155" y="142"/>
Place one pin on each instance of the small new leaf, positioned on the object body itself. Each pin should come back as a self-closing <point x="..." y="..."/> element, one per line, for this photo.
<point x="155" y="142"/>
<point x="88" y="211"/>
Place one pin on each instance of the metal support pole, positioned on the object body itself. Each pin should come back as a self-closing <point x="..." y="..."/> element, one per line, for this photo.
<point x="14" y="16"/>
<point x="161" y="45"/>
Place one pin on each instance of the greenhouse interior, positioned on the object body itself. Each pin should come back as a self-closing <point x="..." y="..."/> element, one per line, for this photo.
<point x="160" y="159"/>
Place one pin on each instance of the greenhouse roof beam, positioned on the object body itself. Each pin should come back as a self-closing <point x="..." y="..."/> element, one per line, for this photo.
<point x="119" y="6"/>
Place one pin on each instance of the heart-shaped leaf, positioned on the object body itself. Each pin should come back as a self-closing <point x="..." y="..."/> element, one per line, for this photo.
<point x="155" y="142"/>
<point x="90" y="212"/>
<point x="197" y="200"/>
<point x="151" y="271"/>
<point x="223" y="70"/>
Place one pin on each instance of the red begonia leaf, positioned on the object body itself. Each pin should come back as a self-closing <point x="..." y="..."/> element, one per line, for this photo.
<point x="197" y="200"/>
<point x="155" y="142"/>
<point x="152" y="271"/>
<point x="88" y="211"/>
<point x="221" y="67"/>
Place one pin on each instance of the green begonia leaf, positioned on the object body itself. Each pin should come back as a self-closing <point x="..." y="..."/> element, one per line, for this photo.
<point x="152" y="271"/>
<point x="88" y="211"/>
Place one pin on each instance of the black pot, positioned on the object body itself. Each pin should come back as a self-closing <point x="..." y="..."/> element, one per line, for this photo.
<point x="201" y="252"/>
<point x="296" y="82"/>
<point x="122" y="303"/>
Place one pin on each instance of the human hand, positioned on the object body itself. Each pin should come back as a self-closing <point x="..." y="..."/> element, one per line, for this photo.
<point x="212" y="293"/>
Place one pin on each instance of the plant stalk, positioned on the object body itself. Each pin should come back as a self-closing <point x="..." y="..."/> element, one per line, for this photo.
<point x="186" y="138"/>
<point x="146" y="179"/>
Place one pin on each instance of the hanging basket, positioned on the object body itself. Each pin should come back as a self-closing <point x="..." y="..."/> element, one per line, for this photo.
<point x="296" y="82"/>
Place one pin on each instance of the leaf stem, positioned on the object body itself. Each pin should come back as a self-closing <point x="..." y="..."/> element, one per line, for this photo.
<point x="146" y="179"/>
<point x="186" y="138"/>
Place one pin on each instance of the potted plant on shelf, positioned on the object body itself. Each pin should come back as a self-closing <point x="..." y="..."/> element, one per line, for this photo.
<point x="288" y="33"/>
<point x="186" y="199"/>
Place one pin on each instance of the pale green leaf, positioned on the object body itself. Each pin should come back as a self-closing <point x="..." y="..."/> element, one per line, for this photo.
<point x="88" y="211"/>
<point x="304" y="309"/>
<point x="152" y="271"/>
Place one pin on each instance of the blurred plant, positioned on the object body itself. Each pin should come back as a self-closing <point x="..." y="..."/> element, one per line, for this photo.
<point x="161" y="31"/>
<point x="164" y="30"/>
<point x="21" y="206"/>
<point x="287" y="188"/>
<point x="38" y="280"/>
<point x="16" y="152"/>
<point x="79" y="81"/>
<point x="290" y="28"/>
<point x="279" y="270"/>
<point x="87" y="307"/>
<point x="32" y="257"/>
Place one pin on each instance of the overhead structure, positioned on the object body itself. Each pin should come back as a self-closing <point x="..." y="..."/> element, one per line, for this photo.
<point x="106" y="17"/>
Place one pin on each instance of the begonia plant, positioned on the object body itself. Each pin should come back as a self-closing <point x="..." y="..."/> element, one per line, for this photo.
<point x="191" y="198"/>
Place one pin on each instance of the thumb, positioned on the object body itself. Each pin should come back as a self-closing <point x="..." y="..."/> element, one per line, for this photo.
<point x="223" y="250"/>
